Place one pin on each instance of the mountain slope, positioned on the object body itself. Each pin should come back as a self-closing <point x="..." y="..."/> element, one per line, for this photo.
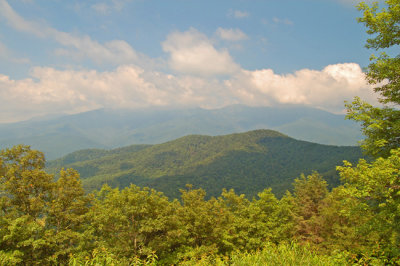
<point x="117" y="128"/>
<point x="247" y="162"/>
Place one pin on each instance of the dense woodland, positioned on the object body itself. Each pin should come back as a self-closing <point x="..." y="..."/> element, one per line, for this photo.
<point x="246" y="162"/>
<point x="51" y="221"/>
<point x="44" y="221"/>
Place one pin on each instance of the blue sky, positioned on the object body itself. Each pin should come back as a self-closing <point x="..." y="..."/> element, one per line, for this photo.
<point x="73" y="56"/>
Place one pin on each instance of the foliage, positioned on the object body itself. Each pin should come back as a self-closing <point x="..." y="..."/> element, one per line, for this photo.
<point x="383" y="24"/>
<point x="381" y="126"/>
<point x="255" y="222"/>
<point x="377" y="186"/>
<point x="101" y="256"/>
<point x="40" y="219"/>
<point x="246" y="162"/>
<point x="131" y="222"/>
<point x="340" y="220"/>
<point x="48" y="221"/>
<point x="271" y="254"/>
<point x="107" y="129"/>
<point x="309" y="193"/>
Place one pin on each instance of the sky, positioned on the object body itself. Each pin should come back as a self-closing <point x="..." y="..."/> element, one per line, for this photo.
<point x="73" y="56"/>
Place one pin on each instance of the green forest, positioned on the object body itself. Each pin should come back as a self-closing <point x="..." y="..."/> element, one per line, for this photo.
<point x="44" y="221"/>
<point x="53" y="221"/>
<point x="246" y="162"/>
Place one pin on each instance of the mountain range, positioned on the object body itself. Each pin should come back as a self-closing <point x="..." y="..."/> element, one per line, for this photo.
<point x="108" y="129"/>
<point x="246" y="162"/>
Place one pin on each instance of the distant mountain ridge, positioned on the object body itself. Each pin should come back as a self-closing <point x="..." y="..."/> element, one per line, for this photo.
<point x="107" y="129"/>
<point x="247" y="162"/>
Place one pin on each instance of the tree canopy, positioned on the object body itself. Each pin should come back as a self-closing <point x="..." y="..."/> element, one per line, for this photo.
<point x="381" y="125"/>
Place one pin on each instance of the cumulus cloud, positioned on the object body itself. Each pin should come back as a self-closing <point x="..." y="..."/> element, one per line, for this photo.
<point x="204" y="76"/>
<point x="231" y="34"/>
<point x="78" y="47"/>
<point x="326" y="89"/>
<point x="49" y="90"/>
<point x="191" y="52"/>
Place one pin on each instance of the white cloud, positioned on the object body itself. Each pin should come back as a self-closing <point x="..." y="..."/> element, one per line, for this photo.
<point x="115" y="52"/>
<point x="191" y="52"/>
<point x="231" y="34"/>
<point x="78" y="47"/>
<point x="326" y="89"/>
<point x="68" y="91"/>
<point x="49" y="90"/>
<point x="17" y="22"/>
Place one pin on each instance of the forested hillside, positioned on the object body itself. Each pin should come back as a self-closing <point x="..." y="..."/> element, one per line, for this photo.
<point x="246" y="162"/>
<point x="107" y="128"/>
<point x="54" y="222"/>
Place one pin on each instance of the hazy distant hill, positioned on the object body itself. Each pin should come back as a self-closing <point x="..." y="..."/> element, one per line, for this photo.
<point x="117" y="128"/>
<point x="247" y="162"/>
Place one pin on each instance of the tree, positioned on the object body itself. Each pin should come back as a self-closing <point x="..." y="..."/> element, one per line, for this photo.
<point x="203" y="224"/>
<point x="377" y="186"/>
<point x="39" y="218"/>
<point x="133" y="222"/>
<point x="253" y="223"/>
<point x="25" y="190"/>
<point x="384" y="24"/>
<point x="309" y="193"/>
<point x="342" y="219"/>
<point x="66" y="215"/>
<point x="381" y="126"/>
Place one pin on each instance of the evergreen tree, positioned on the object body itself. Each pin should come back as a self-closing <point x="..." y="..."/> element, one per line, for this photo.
<point x="309" y="194"/>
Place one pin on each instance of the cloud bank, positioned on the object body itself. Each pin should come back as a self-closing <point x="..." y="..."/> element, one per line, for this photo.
<point x="196" y="73"/>
<point x="129" y="86"/>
